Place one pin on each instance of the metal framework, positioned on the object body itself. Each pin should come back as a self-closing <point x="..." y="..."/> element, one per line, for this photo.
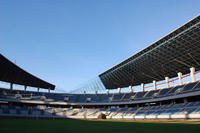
<point x="175" y="52"/>
<point x="9" y="72"/>
<point x="93" y="85"/>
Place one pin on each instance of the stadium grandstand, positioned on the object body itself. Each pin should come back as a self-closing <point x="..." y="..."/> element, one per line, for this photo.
<point x="154" y="70"/>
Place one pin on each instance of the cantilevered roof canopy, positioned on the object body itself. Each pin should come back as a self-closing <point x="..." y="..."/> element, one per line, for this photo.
<point x="9" y="72"/>
<point x="175" y="52"/>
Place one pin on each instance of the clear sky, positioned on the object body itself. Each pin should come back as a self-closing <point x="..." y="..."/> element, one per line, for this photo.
<point x="68" y="42"/>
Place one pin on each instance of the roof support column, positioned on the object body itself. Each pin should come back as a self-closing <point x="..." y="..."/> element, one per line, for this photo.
<point x="180" y="78"/>
<point x="25" y="87"/>
<point x="192" y="74"/>
<point x="11" y="86"/>
<point x="154" y="85"/>
<point x="167" y="82"/>
<point x="107" y="91"/>
<point x="130" y="88"/>
<point x="38" y="89"/>
<point x="119" y="90"/>
<point x="142" y="87"/>
<point x="49" y="90"/>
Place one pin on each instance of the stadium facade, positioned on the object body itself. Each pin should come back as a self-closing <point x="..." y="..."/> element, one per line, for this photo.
<point x="172" y="58"/>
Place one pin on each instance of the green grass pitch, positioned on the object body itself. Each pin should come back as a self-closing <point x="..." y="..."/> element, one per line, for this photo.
<point x="83" y="126"/>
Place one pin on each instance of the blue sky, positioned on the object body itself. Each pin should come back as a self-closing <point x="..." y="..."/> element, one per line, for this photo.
<point x="68" y="42"/>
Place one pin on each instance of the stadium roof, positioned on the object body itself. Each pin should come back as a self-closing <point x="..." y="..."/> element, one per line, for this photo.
<point x="9" y="72"/>
<point x="175" y="52"/>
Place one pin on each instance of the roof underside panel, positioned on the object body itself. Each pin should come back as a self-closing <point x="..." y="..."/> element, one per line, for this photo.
<point x="176" y="52"/>
<point x="9" y="72"/>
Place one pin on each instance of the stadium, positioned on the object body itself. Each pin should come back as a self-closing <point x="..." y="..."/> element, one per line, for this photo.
<point x="173" y="58"/>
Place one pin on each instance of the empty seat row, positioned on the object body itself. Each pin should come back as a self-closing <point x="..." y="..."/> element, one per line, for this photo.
<point x="95" y="98"/>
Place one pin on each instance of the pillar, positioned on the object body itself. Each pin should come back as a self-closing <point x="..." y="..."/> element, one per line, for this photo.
<point x="25" y="87"/>
<point x="119" y="90"/>
<point x="49" y="90"/>
<point x="154" y="85"/>
<point x="130" y="88"/>
<point x="180" y="78"/>
<point x="167" y="82"/>
<point x="192" y="74"/>
<point x="11" y="86"/>
<point x="142" y="87"/>
<point x="96" y="92"/>
<point x="107" y="91"/>
<point x="38" y="89"/>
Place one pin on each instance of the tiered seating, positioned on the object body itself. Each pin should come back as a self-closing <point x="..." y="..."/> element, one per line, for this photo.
<point x="70" y="98"/>
<point x="164" y="91"/>
<point x="117" y="97"/>
<point x="151" y="94"/>
<point x="176" y="89"/>
<point x="182" y="110"/>
<point x="189" y="86"/>
<point x="127" y="96"/>
<point x="20" y="95"/>
<point x="94" y="97"/>
<point x="197" y="87"/>
<point x="139" y="95"/>
<point x="172" y="110"/>
<point x="82" y="98"/>
<point x="119" y="113"/>
<point x="92" y="113"/>
<point x="104" y="97"/>
<point x="130" y="112"/>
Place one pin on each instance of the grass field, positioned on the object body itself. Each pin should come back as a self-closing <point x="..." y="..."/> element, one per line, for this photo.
<point x="83" y="126"/>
